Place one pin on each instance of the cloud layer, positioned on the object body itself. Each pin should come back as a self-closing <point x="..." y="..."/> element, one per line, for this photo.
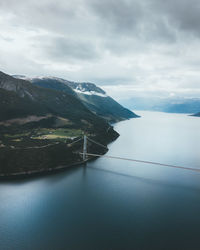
<point x="129" y="47"/>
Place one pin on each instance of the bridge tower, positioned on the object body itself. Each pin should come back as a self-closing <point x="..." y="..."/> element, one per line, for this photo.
<point x="84" y="148"/>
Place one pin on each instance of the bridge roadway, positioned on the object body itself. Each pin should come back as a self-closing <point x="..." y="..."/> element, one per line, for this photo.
<point x="85" y="153"/>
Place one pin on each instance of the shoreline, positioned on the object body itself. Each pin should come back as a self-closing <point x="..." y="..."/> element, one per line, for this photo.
<point x="40" y="172"/>
<point x="47" y="171"/>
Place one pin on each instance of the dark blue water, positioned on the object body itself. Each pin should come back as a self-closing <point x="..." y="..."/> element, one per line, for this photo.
<point x="113" y="204"/>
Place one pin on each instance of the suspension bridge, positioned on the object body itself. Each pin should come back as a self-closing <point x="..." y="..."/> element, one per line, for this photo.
<point x="85" y="154"/>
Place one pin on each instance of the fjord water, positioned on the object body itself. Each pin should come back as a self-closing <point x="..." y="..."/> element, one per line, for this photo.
<point x="113" y="204"/>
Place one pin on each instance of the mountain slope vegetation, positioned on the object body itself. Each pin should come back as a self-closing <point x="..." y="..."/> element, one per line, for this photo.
<point x="20" y="98"/>
<point x="93" y="97"/>
<point x="38" y="125"/>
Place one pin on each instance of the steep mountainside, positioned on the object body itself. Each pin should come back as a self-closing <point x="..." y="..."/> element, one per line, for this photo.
<point x="38" y="127"/>
<point x="20" y="98"/>
<point x="93" y="97"/>
<point x="100" y="103"/>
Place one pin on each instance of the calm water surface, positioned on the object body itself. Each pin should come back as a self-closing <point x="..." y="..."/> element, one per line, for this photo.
<point x="113" y="204"/>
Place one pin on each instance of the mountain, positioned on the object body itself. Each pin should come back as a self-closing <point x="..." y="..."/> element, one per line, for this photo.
<point x="100" y="103"/>
<point x="171" y="105"/>
<point x="39" y="125"/>
<point x="20" y="98"/>
<point x="197" y="114"/>
<point x="93" y="97"/>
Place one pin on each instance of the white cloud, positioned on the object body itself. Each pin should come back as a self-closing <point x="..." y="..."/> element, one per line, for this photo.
<point x="129" y="47"/>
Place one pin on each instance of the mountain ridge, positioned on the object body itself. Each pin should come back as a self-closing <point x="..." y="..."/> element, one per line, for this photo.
<point x="39" y="125"/>
<point x="170" y="105"/>
<point x="41" y="101"/>
<point x="92" y="96"/>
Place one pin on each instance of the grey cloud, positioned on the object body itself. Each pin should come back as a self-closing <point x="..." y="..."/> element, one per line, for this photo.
<point x="63" y="49"/>
<point x="159" y="31"/>
<point x="138" y="42"/>
<point x="122" y="15"/>
<point x="149" y="19"/>
<point x="129" y="25"/>
<point x="52" y="16"/>
<point x="182" y="14"/>
<point x="111" y="81"/>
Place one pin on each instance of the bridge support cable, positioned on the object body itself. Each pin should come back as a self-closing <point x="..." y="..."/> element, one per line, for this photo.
<point x="97" y="143"/>
<point x="145" y="162"/>
<point x="75" y="141"/>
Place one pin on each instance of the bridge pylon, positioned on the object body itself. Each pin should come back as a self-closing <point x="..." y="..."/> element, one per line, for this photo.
<point x="84" y="148"/>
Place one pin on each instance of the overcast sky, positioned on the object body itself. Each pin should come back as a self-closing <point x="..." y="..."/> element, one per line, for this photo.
<point x="128" y="47"/>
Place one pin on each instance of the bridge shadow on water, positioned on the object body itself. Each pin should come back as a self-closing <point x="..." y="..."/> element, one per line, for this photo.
<point x="148" y="180"/>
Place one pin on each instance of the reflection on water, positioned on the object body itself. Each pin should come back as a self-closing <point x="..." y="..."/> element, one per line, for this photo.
<point x="112" y="204"/>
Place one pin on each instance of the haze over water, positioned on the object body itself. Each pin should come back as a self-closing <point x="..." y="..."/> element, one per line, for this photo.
<point x="113" y="204"/>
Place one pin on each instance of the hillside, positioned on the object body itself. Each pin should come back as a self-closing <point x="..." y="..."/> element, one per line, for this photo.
<point x="21" y="98"/>
<point x="93" y="97"/>
<point x="37" y="124"/>
<point x="100" y="103"/>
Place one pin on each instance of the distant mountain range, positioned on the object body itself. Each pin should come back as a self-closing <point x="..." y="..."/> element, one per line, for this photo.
<point x="197" y="114"/>
<point x="171" y="105"/>
<point x="93" y="97"/>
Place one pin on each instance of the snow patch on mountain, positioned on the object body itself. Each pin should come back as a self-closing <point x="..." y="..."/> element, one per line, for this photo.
<point x="80" y="88"/>
<point x="84" y="92"/>
<point x="88" y="89"/>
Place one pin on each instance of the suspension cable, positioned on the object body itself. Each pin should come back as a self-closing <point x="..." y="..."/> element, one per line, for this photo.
<point x="75" y="141"/>
<point x="101" y="145"/>
<point x="145" y="162"/>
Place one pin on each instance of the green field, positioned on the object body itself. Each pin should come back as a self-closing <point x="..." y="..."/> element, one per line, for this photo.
<point x="60" y="133"/>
